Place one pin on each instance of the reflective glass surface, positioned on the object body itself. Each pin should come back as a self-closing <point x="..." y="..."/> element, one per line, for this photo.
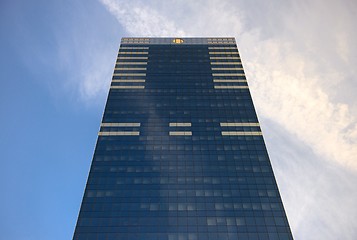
<point x="178" y="158"/>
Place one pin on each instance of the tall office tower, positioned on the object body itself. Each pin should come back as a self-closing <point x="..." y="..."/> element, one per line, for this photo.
<point x="180" y="154"/>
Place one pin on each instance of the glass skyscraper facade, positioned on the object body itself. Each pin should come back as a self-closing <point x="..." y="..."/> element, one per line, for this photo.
<point x="180" y="154"/>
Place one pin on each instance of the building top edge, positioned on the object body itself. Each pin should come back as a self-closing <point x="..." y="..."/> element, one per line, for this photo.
<point x="178" y="40"/>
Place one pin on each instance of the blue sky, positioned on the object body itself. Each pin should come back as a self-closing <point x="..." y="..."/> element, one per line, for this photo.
<point x="57" y="59"/>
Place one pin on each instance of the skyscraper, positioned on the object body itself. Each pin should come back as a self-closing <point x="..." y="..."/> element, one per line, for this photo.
<point x="180" y="154"/>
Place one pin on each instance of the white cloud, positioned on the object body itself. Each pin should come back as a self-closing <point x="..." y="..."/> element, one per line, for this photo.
<point x="285" y="93"/>
<point x="140" y="20"/>
<point x="95" y="74"/>
<point x="319" y="196"/>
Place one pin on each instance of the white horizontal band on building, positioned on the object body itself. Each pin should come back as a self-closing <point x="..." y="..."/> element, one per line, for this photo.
<point x="180" y="133"/>
<point x="120" y="124"/>
<point x="224" y="58"/>
<point x="220" y="42"/>
<point x="130" y="69"/>
<point x="231" y="87"/>
<point x="135" y="41"/>
<point x="121" y="133"/>
<point x="216" y="53"/>
<point x="133" y="52"/>
<point x="134" y="48"/>
<point x="132" y="58"/>
<point x="132" y="63"/>
<point x="128" y="80"/>
<point x="228" y="69"/>
<point x="229" y="80"/>
<point x="180" y="124"/>
<point x="228" y="74"/>
<point x="127" y="87"/>
<point x="239" y="124"/>
<point x="226" y="63"/>
<point x="236" y="133"/>
<point x="130" y="74"/>
<point x="225" y="48"/>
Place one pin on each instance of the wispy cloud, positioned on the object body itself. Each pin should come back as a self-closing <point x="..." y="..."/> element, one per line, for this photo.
<point x="89" y="72"/>
<point x="319" y="196"/>
<point x="289" y="95"/>
<point x="140" y="20"/>
<point x="84" y="50"/>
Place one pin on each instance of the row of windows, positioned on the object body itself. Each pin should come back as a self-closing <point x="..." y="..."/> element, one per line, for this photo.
<point x="129" y="64"/>
<point x="194" y="157"/>
<point x="182" y="160"/>
<point x="167" y="171"/>
<point x="180" y="147"/>
<point x="178" y="78"/>
<point x="164" y="43"/>
<point x="172" y="206"/>
<point x="238" y="64"/>
<point x="244" y="98"/>
<point x="128" y="69"/>
<point x="224" y="53"/>
<point x="188" y="114"/>
<point x="127" y="81"/>
<point x="222" y="48"/>
<point x="163" y="126"/>
<point x="190" y="91"/>
<point x="132" y="52"/>
<point x="191" y="234"/>
<point x="185" y="83"/>
<point x="155" y="120"/>
<point x="181" y="85"/>
<point x="198" y="66"/>
<point x="187" y="105"/>
<point x="184" y="180"/>
<point x="131" y="202"/>
<point x="131" y="58"/>
<point x="135" y="41"/>
<point x="259" y="182"/>
<point x="246" y="162"/>
<point x="243" y="169"/>
<point x="185" y="147"/>
<point x="243" y="162"/>
<point x="164" y="73"/>
<point x="209" y="221"/>
<point x="174" y="210"/>
<point x="174" y="189"/>
<point x="157" y="88"/>
<point x="144" y="115"/>
<point x="214" y="168"/>
<point x="191" y="108"/>
<point x="131" y="48"/>
<point x="201" y="130"/>
<point x="224" y="58"/>
<point x="181" y="191"/>
<point x="177" y="64"/>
